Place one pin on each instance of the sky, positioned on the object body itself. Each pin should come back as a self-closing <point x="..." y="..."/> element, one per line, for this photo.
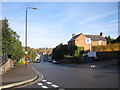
<point x="55" y="22"/>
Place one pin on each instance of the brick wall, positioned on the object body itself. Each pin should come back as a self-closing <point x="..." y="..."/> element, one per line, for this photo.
<point x="80" y="41"/>
<point x="96" y="43"/>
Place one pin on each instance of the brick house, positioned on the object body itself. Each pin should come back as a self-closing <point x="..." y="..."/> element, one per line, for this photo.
<point x="87" y="41"/>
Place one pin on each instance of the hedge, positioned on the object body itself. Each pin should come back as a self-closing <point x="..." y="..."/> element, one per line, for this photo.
<point x="109" y="47"/>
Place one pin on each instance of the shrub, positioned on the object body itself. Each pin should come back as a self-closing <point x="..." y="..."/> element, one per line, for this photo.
<point x="109" y="47"/>
<point x="79" y="51"/>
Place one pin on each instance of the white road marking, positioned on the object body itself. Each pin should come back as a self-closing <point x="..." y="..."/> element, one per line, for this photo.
<point x="48" y="82"/>
<point x="55" y="86"/>
<point x="44" y="86"/>
<point x="92" y="66"/>
<point x="40" y="84"/>
<point x="44" y="80"/>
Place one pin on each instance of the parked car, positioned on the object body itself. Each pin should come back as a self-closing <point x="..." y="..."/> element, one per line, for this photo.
<point x="29" y="60"/>
<point x="37" y="61"/>
<point x="49" y="59"/>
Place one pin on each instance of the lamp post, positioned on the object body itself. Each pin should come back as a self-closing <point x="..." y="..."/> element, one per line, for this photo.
<point x="26" y="31"/>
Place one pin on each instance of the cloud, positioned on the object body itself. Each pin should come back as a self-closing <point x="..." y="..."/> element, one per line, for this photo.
<point x="43" y="42"/>
<point x="115" y="21"/>
<point x="96" y="17"/>
<point x="95" y="28"/>
<point x="53" y="23"/>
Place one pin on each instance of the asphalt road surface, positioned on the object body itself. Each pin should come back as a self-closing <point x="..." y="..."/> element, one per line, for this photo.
<point x="75" y="76"/>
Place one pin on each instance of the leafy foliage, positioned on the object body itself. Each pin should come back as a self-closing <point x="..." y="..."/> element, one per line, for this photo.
<point x="109" y="47"/>
<point x="10" y="42"/>
<point x="109" y="39"/>
<point x="32" y="53"/>
<point x="72" y="49"/>
<point x="62" y="51"/>
<point x="79" y="51"/>
<point x="59" y="51"/>
<point x="117" y="39"/>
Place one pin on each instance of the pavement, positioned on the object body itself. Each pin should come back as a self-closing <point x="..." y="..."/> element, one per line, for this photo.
<point x="18" y="75"/>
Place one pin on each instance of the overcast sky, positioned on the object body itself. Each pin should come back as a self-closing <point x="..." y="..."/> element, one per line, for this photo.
<point x="55" y="22"/>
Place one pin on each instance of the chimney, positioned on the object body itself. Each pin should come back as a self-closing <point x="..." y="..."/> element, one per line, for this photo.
<point x="73" y="35"/>
<point x="101" y="34"/>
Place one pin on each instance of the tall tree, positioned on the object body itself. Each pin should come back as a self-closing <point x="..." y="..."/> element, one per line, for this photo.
<point x="10" y="42"/>
<point x="109" y="39"/>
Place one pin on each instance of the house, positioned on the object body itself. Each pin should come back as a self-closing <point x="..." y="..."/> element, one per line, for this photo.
<point x="87" y="41"/>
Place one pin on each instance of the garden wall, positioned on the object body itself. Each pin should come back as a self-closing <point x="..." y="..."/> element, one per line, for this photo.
<point x="5" y="67"/>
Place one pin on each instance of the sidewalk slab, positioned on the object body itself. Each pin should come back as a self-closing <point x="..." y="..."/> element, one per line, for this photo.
<point x="17" y="74"/>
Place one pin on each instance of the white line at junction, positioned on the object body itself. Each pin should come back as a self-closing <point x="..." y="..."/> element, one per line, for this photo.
<point x="44" y="80"/>
<point x="48" y="82"/>
<point x="55" y="86"/>
<point x="40" y="84"/>
<point x="44" y="86"/>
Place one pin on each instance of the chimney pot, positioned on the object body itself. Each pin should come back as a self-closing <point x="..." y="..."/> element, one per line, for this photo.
<point x="101" y="34"/>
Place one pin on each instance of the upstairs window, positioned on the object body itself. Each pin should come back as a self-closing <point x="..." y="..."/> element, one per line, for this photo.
<point x="100" y="42"/>
<point x="88" y="40"/>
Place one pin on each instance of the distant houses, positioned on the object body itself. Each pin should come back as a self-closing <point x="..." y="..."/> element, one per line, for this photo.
<point x="87" y="41"/>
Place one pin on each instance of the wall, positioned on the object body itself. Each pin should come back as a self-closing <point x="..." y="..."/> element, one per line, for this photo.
<point x="96" y="43"/>
<point x="4" y="68"/>
<point x="108" y="55"/>
<point x="80" y="41"/>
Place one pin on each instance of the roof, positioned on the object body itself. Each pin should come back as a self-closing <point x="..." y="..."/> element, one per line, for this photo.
<point x="96" y="37"/>
<point x="73" y="38"/>
<point x="93" y="37"/>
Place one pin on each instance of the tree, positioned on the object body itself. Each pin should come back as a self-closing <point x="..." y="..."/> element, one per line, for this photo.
<point x="59" y="51"/>
<point x="72" y="49"/>
<point x="118" y="39"/>
<point x="31" y="53"/>
<point x="10" y="42"/>
<point x="109" y="39"/>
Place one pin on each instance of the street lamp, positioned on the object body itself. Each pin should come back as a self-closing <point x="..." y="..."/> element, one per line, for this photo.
<point x="26" y="29"/>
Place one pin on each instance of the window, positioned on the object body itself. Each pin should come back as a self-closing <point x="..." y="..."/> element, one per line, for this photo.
<point x="88" y="40"/>
<point x="100" y="42"/>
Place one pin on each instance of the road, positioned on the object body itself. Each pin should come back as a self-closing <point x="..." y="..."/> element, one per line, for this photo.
<point x="75" y="76"/>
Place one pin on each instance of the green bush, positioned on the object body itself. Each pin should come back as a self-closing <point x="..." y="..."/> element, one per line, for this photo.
<point x="79" y="51"/>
